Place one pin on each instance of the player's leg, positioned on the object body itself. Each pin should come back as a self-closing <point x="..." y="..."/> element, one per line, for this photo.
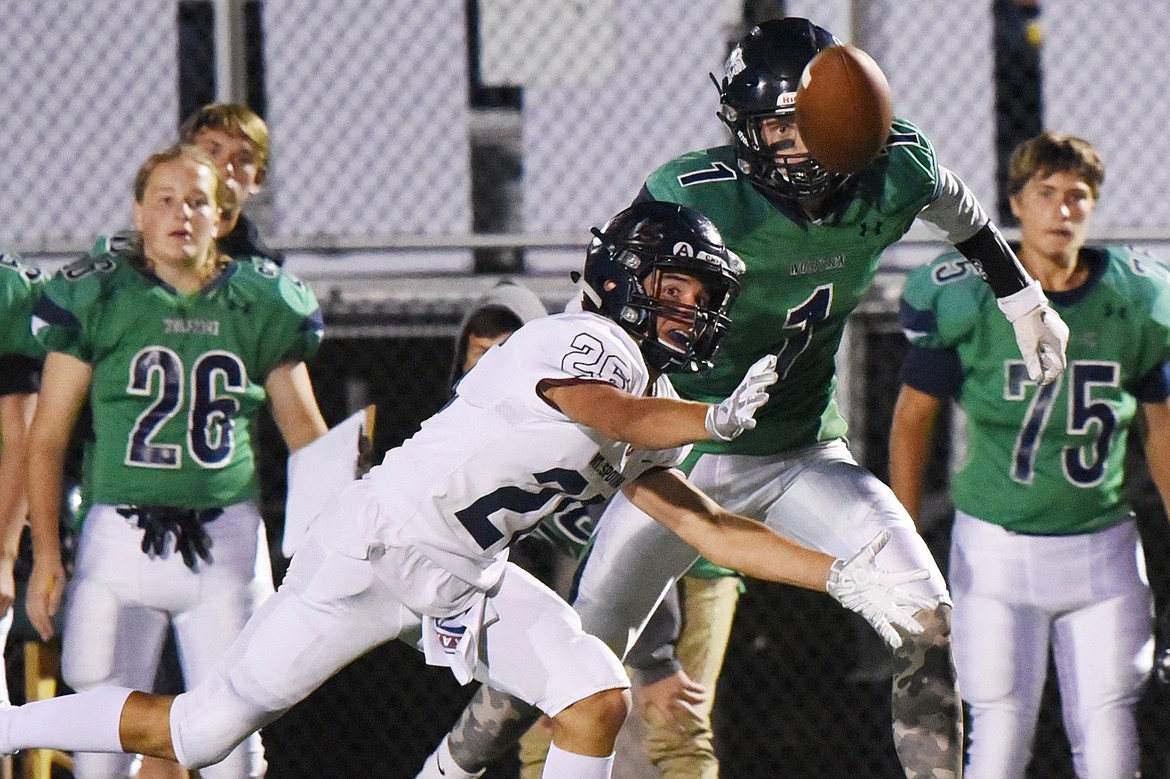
<point x="633" y="560"/>
<point x="1103" y="654"/>
<point x="329" y="610"/>
<point x="822" y="498"/>
<point x="537" y="651"/>
<point x="632" y="563"/>
<point x="230" y="591"/>
<point x="110" y="636"/>
<point x="487" y="728"/>
<point x="687" y="751"/>
<point x="1001" y="645"/>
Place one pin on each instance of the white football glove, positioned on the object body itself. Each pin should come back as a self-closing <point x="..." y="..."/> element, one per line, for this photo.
<point x="859" y="585"/>
<point x="735" y="414"/>
<point x="1040" y="332"/>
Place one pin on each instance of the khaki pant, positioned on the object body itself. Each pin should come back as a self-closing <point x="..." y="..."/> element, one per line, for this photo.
<point x="708" y="607"/>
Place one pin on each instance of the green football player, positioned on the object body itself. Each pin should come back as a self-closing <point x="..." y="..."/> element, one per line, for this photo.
<point x="1044" y="549"/>
<point x="176" y="346"/>
<point x="812" y="241"/>
<point x="20" y="370"/>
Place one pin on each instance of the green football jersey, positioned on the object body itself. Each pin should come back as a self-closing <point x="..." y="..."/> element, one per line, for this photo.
<point x="177" y="378"/>
<point x="803" y="279"/>
<point x="1046" y="460"/>
<point x="20" y="285"/>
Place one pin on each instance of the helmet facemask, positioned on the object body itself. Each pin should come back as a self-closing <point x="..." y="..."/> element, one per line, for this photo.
<point x="630" y="263"/>
<point x="795" y="175"/>
<point x="759" y="83"/>
<point x="705" y="323"/>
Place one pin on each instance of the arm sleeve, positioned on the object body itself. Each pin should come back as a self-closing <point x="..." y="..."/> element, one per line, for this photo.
<point x="963" y="221"/>
<point x="1154" y="387"/>
<point x="937" y="372"/>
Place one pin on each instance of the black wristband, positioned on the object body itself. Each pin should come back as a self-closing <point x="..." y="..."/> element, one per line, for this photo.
<point x="995" y="261"/>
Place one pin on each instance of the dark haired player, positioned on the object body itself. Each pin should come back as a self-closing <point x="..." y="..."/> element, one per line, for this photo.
<point x="812" y="241"/>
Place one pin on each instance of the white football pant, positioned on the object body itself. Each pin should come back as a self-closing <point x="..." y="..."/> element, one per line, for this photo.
<point x="818" y="496"/>
<point x="1086" y="596"/>
<point x="121" y="602"/>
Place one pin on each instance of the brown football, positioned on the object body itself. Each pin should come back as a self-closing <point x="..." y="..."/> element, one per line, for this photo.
<point x="843" y="108"/>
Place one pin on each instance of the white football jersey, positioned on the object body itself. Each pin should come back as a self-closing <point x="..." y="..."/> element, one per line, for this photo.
<point x="499" y="458"/>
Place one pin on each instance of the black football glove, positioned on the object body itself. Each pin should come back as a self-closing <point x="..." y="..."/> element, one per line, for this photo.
<point x="185" y="525"/>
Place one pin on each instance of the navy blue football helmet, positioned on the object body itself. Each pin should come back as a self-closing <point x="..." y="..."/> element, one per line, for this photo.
<point x="759" y="81"/>
<point x="621" y="280"/>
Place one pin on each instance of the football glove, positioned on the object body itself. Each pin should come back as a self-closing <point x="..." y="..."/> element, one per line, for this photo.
<point x="860" y="585"/>
<point x="159" y="523"/>
<point x="1040" y="332"/>
<point x="736" y="413"/>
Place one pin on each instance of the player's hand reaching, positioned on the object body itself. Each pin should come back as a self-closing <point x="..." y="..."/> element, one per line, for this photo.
<point x="1040" y="332"/>
<point x="737" y="412"/>
<point x="665" y="698"/>
<point x="860" y="585"/>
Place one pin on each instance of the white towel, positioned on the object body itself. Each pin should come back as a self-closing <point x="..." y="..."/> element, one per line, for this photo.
<point x="454" y="641"/>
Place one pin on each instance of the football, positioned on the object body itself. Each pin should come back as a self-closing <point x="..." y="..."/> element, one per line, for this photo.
<point x="843" y="108"/>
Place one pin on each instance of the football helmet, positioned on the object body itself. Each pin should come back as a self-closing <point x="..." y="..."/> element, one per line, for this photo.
<point x="621" y="277"/>
<point x="759" y="81"/>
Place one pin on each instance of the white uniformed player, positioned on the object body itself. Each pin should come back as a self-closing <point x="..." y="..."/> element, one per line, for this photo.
<point x="418" y="548"/>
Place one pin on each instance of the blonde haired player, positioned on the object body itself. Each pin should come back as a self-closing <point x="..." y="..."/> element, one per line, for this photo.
<point x="175" y="346"/>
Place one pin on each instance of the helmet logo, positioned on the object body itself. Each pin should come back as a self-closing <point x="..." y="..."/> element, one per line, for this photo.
<point x="735" y="64"/>
<point x="683" y="249"/>
<point x="786" y="100"/>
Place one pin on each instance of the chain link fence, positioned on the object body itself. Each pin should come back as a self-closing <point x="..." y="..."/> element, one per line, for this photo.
<point x="420" y="150"/>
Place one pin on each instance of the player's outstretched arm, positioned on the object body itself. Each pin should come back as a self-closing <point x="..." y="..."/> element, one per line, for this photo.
<point x="64" y="387"/>
<point x="1041" y="334"/>
<point x="756" y="550"/>
<point x="663" y="423"/>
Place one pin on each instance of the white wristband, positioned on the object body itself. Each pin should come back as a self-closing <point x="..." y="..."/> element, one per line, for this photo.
<point x="1020" y="303"/>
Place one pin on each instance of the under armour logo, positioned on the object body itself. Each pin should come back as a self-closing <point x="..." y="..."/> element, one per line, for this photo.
<point x="865" y="227"/>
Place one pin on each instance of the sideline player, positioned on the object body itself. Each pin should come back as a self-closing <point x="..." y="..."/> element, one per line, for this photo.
<point x="1044" y="550"/>
<point x="176" y="346"/>
<point x="236" y="140"/>
<point x="20" y="372"/>
<point x="573" y="407"/>
<point x="812" y="241"/>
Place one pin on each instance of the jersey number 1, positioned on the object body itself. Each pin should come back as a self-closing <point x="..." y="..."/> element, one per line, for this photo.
<point x="803" y="319"/>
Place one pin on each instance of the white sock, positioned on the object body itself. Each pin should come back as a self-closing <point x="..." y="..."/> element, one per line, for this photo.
<point x="440" y="765"/>
<point x="569" y="765"/>
<point x="85" y="722"/>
